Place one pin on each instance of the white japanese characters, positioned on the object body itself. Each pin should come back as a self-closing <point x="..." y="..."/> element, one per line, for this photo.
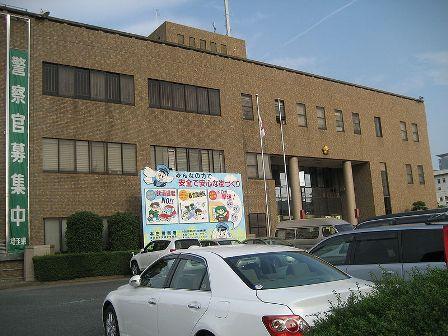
<point x="18" y="65"/>
<point x="17" y="215"/>
<point x="18" y="184"/>
<point x="17" y="152"/>
<point x="17" y="123"/>
<point x="18" y="94"/>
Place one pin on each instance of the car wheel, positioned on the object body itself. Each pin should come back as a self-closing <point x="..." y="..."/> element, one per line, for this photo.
<point x="110" y="322"/>
<point x="134" y="268"/>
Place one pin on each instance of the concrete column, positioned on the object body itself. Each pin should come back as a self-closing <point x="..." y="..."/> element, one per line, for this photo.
<point x="350" y="203"/>
<point x="294" y="184"/>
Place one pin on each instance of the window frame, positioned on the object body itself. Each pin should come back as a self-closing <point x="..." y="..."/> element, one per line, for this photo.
<point x="302" y="116"/>
<point x="421" y="174"/>
<point x="105" y="146"/>
<point x="409" y="174"/>
<point x="356" y="119"/>
<point x="191" y="257"/>
<point x="76" y="94"/>
<point x="280" y="110"/>
<point x="257" y="214"/>
<point x="378" y="127"/>
<point x="367" y="236"/>
<point x="245" y="108"/>
<point x="415" y="132"/>
<point x="403" y="131"/>
<point x="321" y="118"/>
<point x="340" y="126"/>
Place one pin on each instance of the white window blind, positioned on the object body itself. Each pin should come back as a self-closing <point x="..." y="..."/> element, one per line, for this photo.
<point x="82" y="156"/>
<point x="97" y="157"/>
<point x="114" y="158"/>
<point x="129" y="159"/>
<point x="50" y="154"/>
<point x="181" y="156"/>
<point x="66" y="155"/>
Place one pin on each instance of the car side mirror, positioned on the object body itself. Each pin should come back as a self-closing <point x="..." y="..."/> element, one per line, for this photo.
<point x="142" y="250"/>
<point x="135" y="281"/>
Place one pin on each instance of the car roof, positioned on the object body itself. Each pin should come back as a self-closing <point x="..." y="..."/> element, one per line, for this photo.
<point x="400" y="227"/>
<point x="310" y="222"/>
<point x="226" y="251"/>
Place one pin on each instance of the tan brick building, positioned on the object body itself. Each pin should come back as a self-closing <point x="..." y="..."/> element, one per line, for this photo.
<point x="104" y="104"/>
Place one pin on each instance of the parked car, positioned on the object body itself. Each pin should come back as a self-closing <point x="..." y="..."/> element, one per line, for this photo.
<point x="398" y="249"/>
<point x="305" y="233"/>
<point x="227" y="290"/>
<point x="157" y="248"/>
<point x="431" y="216"/>
<point x="266" y="241"/>
<point x="217" y="242"/>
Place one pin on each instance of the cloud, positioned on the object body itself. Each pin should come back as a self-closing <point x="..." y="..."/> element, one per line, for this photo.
<point x="435" y="65"/>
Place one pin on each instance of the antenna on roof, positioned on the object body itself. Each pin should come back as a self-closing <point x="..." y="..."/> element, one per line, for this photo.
<point x="157" y="16"/>
<point x="227" y="15"/>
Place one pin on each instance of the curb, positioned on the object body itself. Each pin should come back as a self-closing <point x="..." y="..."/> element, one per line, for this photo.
<point x="37" y="284"/>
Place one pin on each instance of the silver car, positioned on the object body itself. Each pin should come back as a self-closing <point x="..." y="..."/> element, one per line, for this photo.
<point x="368" y="253"/>
<point x="305" y="233"/>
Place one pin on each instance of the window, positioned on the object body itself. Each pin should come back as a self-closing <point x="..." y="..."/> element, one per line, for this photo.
<point x="188" y="159"/>
<point x="254" y="165"/>
<point x="189" y="274"/>
<point x="213" y="47"/>
<point x="192" y="42"/>
<point x="438" y="181"/>
<point x="282" y="269"/>
<point x="280" y="111"/>
<point x="403" y="131"/>
<point x="73" y="82"/>
<point x="339" y="120"/>
<point x="181" y="97"/>
<point x="223" y="49"/>
<point x="386" y="192"/>
<point x="301" y="113"/>
<point x="422" y="246"/>
<point x="335" y="250"/>
<point x="202" y="44"/>
<point x="54" y="233"/>
<point x="415" y="135"/>
<point x="409" y="176"/>
<point x="376" y="249"/>
<point x="378" y="128"/>
<point x="180" y="39"/>
<point x="321" y="119"/>
<point x="257" y="224"/>
<point x="421" y="174"/>
<point x="183" y="244"/>
<point x="246" y="103"/>
<point x="356" y="123"/>
<point x="156" y="275"/>
<point x="76" y="156"/>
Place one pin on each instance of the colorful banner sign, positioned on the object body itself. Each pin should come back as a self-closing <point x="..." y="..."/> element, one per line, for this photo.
<point x="191" y="205"/>
<point x="17" y="156"/>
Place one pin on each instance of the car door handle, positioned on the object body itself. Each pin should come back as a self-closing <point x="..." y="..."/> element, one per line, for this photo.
<point x="152" y="301"/>
<point x="194" y="305"/>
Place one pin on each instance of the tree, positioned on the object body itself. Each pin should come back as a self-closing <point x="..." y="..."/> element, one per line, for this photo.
<point x="419" y="205"/>
<point x="84" y="232"/>
<point x="124" y="232"/>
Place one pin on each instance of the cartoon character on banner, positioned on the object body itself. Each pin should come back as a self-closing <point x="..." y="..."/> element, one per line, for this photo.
<point x="154" y="211"/>
<point x="189" y="212"/>
<point x="221" y="213"/>
<point x="221" y="231"/>
<point x="168" y="212"/>
<point x="159" y="177"/>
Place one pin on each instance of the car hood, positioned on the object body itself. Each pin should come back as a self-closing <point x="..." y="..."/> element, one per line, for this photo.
<point x="312" y="300"/>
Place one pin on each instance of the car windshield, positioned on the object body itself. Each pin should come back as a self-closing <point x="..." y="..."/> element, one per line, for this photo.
<point x="344" y="227"/>
<point x="307" y="232"/>
<point x="229" y="242"/>
<point x="285" y="233"/>
<point x="186" y="243"/>
<point x="282" y="269"/>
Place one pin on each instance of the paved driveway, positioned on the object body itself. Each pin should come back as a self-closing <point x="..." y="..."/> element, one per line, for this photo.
<point x="67" y="309"/>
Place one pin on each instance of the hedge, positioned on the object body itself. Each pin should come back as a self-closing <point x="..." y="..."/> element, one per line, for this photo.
<point x="84" y="232"/>
<point x="124" y="232"/>
<point x="80" y="265"/>
<point x="396" y="307"/>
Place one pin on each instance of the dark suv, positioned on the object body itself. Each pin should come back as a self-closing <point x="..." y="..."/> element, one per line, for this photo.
<point x="398" y="249"/>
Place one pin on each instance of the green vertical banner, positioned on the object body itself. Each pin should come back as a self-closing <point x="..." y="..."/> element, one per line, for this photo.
<point x="17" y="160"/>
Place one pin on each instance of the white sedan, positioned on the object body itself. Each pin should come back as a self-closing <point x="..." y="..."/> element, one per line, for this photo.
<point x="227" y="290"/>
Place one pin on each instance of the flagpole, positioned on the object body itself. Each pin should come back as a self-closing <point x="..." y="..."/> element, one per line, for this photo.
<point x="268" y="221"/>
<point x="284" y="160"/>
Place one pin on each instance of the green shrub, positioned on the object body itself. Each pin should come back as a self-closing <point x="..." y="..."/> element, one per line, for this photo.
<point x="80" y="265"/>
<point x="419" y="205"/>
<point x="124" y="232"/>
<point x="84" y="232"/>
<point x="396" y="307"/>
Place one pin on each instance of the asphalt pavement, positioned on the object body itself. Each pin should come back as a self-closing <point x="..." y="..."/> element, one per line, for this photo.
<point x="59" y="309"/>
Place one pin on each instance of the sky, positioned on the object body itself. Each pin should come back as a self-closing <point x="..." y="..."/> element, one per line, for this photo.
<point x="393" y="45"/>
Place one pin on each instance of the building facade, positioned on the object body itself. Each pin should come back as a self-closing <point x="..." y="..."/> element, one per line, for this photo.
<point x="441" y="182"/>
<point x="104" y="104"/>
